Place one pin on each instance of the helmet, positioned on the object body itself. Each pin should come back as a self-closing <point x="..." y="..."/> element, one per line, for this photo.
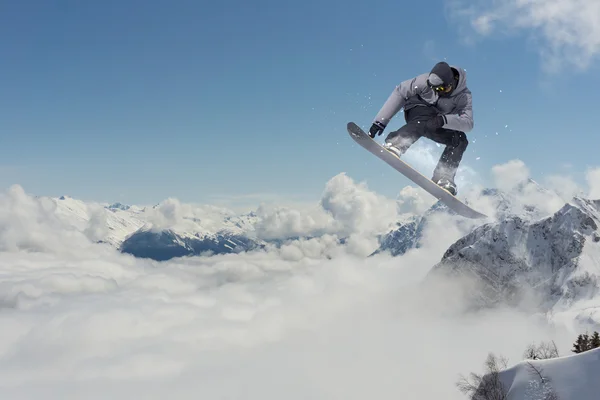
<point x="441" y="78"/>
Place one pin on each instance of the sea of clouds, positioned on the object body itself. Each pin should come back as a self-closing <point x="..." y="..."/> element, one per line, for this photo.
<point x="311" y="319"/>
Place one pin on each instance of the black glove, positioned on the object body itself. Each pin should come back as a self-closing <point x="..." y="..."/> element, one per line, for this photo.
<point x="435" y="123"/>
<point x="376" y="129"/>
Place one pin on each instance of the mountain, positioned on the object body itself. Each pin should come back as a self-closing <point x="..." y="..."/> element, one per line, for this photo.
<point x="102" y="223"/>
<point x="190" y="235"/>
<point x="409" y="233"/>
<point x="548" y="264"/>
<point x="160" y="232"/>
<point x="118" y="206"/>
<point x="518" y="201"/>
<point x="166" y="244"/>
<point x="398" y="241"/>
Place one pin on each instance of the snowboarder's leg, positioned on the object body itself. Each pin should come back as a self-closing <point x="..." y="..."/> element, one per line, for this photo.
<point x="400" y="140"/>
<point x="456" y="143"/>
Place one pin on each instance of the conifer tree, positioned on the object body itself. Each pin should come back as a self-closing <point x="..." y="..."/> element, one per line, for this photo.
<point x="581" y="344"/>
<point x="595" y="340"/>
<point x="586" y="342"/>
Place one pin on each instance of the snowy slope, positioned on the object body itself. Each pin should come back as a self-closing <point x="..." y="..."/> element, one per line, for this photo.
<point x="573" y="377"/>
<point x="101" y="222"/>
<point x="552" y="263"/>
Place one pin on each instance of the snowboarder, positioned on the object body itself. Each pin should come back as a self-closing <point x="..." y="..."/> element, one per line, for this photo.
<point x="438" y="106"/>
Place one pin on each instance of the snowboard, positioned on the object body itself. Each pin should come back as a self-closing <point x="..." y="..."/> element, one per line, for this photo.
<point x="362" y="138"/>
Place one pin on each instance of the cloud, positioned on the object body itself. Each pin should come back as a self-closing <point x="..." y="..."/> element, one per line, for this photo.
<point x="28" y="224"/>
<point x="357" y="209"/>
<point x="514" y="178"/>
<point x="172" y="214"/>
<point x="346" y="208"/>
<point x="593" y="180"/>
<point x="312" y="319"/>
<point x="281" y="222"/>
<point x="413" y="200"/>
<point x="232" y="326"/>
<point x="567" y="32"/>
<point x="564" y="186"/>
<point x="167" y="214"/>
<point x="510" y="175"/>
<point x="97" y="228"/>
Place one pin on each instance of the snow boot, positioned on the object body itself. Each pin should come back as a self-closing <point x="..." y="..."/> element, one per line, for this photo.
<point x="448" y="184"/>
<point x="393" y="149"/>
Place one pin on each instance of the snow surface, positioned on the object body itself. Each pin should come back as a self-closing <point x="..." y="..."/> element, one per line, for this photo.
<point x="574" y="377"/>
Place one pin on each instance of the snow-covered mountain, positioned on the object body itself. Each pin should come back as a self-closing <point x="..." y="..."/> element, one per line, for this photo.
<point x="519" y="201"/>
<point x="409" y="231"/>
<point x="162" y="231"/>
<point x="549" y="264"/>
<point x="101" y="222"/>
<point x="520" y="247"/>
<point x="188" y="235"/>
<point x="166" y="244"/>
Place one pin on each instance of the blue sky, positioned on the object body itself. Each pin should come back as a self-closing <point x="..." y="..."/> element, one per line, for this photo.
<point x="136" y="101"/>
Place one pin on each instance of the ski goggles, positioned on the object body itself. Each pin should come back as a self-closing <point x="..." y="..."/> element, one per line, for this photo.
<point x="440" y="88"/>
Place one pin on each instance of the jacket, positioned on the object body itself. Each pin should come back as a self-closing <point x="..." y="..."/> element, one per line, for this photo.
<point x="457" y="108"/>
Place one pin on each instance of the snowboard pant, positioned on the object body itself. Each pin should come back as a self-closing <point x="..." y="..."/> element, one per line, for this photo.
<point x="455" y="141"/>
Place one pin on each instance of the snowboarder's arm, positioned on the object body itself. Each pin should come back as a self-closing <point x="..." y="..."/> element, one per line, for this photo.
<point x="397" y="99"/>
<point x="463" y="119"/>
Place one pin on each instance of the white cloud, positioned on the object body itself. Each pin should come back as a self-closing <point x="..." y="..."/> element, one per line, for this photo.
<point x="172" y="214"/>
<point x="514" y="179"/>
<point x="97" y="227"/>
<point x="317" y="248"/>
<point x="212" y="326"/>
<point x="167" y="214"/>
<point x="414" y="200"/>
<point x="564" y="186"/>
<point x="276" y="222"/>
<point x="313" y="319"/>
<point x="346" y="208"/>
<point x="567" y="32"/>
<point x="356" y="208"/>
<point x="509" y="175"/>
<point x="593" y="180"/>
<point x="28" y="224"/>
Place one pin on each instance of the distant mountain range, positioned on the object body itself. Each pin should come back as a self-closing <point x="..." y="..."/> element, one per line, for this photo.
<point x="133" y="229"/>
<point x="521" y="250"/>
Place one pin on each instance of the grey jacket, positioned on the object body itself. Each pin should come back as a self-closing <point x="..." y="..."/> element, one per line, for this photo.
<point x="456" y="108"/>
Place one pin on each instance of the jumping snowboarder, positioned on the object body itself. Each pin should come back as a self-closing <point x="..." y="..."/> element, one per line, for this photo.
<point x="438" y="106"/>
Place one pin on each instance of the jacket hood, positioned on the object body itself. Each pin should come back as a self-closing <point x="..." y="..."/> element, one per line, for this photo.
<point x="462" y="80"/>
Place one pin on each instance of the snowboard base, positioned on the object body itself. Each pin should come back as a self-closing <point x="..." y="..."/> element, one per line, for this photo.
<point x="362" y="138"/>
